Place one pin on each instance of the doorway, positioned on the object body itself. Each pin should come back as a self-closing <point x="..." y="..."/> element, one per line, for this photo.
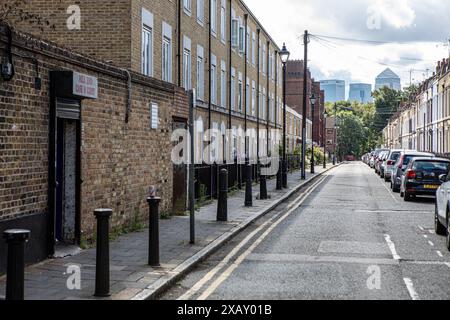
<point x="179" y="195"/>
<point x="67" y="213"/>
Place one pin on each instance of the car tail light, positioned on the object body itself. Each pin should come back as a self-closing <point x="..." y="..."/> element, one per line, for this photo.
<point x="411" y="174"/>
<point x="390" y="162"/>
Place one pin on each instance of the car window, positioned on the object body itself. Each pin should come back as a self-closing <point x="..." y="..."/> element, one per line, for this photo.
<point x="394" y="156"/>
<point x="431" y="166"/>
<point x="408" y="159"/>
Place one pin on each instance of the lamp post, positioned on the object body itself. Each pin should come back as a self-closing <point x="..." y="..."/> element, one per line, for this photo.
<point x="284" y="55"/>
<point x="324" y="140"/>
<point x="313" y="102"/>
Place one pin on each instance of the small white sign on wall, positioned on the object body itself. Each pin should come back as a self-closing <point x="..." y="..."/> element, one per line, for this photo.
<point x="154" y="116"/>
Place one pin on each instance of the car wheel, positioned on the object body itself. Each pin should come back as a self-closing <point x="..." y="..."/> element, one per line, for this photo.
<point x="406" y="196"/>
<point x="438" y="227"/>
<point x="386" y="179"/>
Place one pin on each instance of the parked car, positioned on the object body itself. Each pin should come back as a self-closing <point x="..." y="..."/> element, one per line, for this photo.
<point x="442" y="209"/>
<point x="422" y="177"/>
<point x="382" y="164"/>
<point x="379" y="159"/>
<point x="390" y="162"/>
<point x="401" y="165"/>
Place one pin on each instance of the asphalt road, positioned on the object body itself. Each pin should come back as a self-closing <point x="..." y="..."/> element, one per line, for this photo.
<point x="348" y="237"/>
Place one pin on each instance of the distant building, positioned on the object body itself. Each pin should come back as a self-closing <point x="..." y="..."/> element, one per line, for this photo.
<point x="360" y="92"/>
<point x="389" y="79"/>
<point x="334" y="90"/>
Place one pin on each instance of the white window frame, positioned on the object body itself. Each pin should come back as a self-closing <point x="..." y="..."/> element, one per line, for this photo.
<point x="213" y="79"/>
<point x="147" y="50"/>
<point x="234" y="30"/>
<point x="253" y="98"/>
<point x="248" y="35"/>
<point x="247" y="96"/>
<point x="213" y="17"/>
<point x="201" y="12"/>
<point x="264" y="68"/>
<point x="241" y="37"/>
<point x="166" y="63"/>
<point x="187" y="62"/>
<point x="200" y="70"/>
<point x="240" y="93"/>
<point x="187" y="7"/>
<point x="223" y="85"/>
<point x="223" y="21"/>
<point x="233" y="89"/>
<point x="253" y="48"/>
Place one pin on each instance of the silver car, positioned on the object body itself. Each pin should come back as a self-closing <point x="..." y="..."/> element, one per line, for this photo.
<point x="390" y="162"/>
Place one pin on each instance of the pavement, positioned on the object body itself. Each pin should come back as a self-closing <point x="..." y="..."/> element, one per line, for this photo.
<point x="131" y="278"/>
<point x="349" y="239"/>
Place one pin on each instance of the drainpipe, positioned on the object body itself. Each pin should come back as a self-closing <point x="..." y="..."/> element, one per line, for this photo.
<point x="129" y="100"/>
<point x="267" y="90"/>
<point x="179" y="42"/>
<point x="230" y="66"/>
<point x="247" y="145"/>
<point x="258" y="94"/>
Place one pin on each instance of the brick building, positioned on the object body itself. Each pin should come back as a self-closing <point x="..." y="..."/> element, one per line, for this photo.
<point x="294" y="97"/>
<point x="114" y="139"/>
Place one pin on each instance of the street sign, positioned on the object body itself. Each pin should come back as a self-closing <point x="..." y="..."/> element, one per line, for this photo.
<point x="85" y="86"/>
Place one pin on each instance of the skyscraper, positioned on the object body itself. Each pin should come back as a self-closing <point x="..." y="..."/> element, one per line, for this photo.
<point x="334" y="90"/>
<point x="389" y="79"/>
<point x="360" y="92"/>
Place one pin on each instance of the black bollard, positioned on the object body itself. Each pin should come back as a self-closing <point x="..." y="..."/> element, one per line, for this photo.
<point x="222" y="206"/>
<point x="263" y="187"/>
<point x="15" y="271"/>
<point x="248" y="185"/>
<point x="285" y="171"/>
<point x="280" y="176"/>
<point x="153" y="239"/>
<point x="102" y="263"/>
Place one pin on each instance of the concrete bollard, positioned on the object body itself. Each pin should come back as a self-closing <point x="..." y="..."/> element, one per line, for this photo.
<point x="102" y="275"/>
<point x="15" y="270"/>
<point x="280" y="175"/>
<point x="248" y="185"/>
<point x="153" y="236"/>
<point x="222" y="204"/>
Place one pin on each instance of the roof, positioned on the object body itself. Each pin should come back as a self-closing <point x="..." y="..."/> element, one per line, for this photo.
<point x="388" y="74"/>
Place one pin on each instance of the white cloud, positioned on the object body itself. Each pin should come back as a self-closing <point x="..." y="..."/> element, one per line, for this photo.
<point x="397" y="13"/>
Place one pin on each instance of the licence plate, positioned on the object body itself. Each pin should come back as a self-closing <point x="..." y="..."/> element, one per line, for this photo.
<point x="430" y="186"/>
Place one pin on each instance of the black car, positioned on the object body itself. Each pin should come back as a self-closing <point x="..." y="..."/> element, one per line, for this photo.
<point x="422" y="177"/>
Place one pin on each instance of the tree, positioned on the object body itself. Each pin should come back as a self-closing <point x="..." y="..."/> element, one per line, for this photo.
<point x="387" y="103"/>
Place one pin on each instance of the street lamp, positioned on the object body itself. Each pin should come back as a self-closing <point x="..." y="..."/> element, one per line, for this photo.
<point x="284" y="55"/>
<point x="313" y="102"/>
<point x="324" y="141"/>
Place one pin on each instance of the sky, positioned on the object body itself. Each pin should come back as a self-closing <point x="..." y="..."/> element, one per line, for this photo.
<point x="403" y="35"/>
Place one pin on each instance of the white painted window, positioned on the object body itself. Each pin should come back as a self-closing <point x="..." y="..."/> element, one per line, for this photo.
<point x="223" y="85"/>
<point x="213" y="79"/>
<point x="234" y="30"/>
<point x="187" y="83"/>
<point x="260" y="97"/>
<point x="263" y="111"/>
<point x="253" y="48"/>
<point x="187" y="6"/>
<point x="167" y="52"/>
<point x="201" y="12"/>
<point x="223" y="21"/>
<point x="240" y="90"/>
<point x="200" y="74"/>
<point x="263" y="61"/>
<point x="233" y="89"/>
<point x="147" y="43"/>
<point x="253" y="98"/>
<point x="247" y="96"/>
<point x="248" y="44"/>
<point x="269" y="72"/>
<point x="213" y="17"/>
<point x="241" y="37"/>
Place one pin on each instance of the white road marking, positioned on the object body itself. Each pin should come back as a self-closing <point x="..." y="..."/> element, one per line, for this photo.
<point x="431" y="232"/>
<point x="191" y="292"/>
<point x="439" y="254"/>
<point x="224" y="276"/>
<point x="431" y="243"/>
<point x="412" y="292"/>
<point x="391" y="246"/>
<point x="447" y="264"/>
<point x="425" y="236"/>
<point x="389" y="191"/>
<point x="421" y="228"/>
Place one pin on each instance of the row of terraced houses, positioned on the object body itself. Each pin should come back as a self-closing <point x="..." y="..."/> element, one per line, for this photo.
<point x="424" y="122"/>
<point x="86" y="121"/>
